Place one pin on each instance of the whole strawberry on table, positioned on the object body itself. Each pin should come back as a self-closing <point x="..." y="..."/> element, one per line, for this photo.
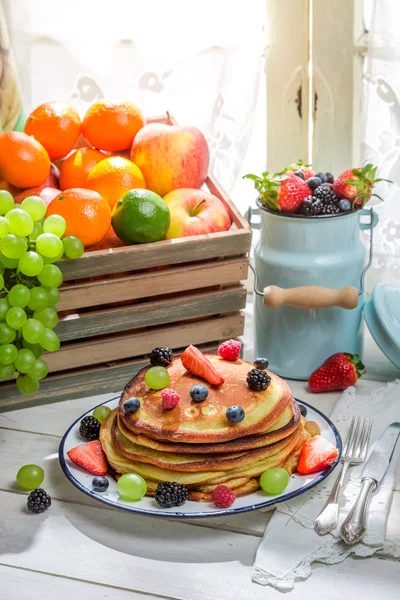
<point x="300" y="190"/>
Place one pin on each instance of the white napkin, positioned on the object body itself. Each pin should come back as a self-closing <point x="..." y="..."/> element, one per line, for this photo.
<point x="290" y="545"/>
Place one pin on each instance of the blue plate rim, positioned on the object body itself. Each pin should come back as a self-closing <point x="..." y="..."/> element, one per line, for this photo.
<point x="198" y="515"/>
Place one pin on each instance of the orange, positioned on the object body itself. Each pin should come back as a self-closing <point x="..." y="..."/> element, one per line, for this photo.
<point x="77" y="167"/>
<point x="87" y="214"/>
<point x="56" y="126"/>
<point x="23" y="160"/>
<point x="113" y="177"/>
<point x="4" y="185"/>
<point x="111" y="125"/>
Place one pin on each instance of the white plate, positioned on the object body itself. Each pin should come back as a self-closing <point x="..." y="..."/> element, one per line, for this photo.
<point x="298" y="484"/>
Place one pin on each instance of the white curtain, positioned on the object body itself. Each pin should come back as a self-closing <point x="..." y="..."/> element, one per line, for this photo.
<point x="381" y="131"/>
<point x="200" y="60"/>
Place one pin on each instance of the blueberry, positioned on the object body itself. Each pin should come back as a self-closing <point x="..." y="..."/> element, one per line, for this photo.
<point x="329" y="177"/>
<point x="313" y="183"/>
<point x="344" y="205"/>
<point x="303" y="410"/>
<point x="300" y="174"/>
<point x="321" y="176"/>
<point x="100" y="484"/>
<point x="131" y="405"/>
<point x="198" y="392"/>
<point x="261" y="363"/>
<point x="235" y="414"/>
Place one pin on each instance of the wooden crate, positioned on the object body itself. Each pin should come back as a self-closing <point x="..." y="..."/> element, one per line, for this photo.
<point x="116" y="305"/>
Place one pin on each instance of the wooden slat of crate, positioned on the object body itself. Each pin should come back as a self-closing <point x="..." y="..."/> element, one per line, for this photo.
<point x="128" y="345"/>
<point x="154" y="312"/>
<point x="88" y="381"/>
<point x="154" y="283"/>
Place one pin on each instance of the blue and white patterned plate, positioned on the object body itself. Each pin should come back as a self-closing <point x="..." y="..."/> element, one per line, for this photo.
<point x="298" y="484"/>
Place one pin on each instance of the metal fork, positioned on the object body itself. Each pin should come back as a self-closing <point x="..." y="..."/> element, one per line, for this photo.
<point x="354" y="453"/>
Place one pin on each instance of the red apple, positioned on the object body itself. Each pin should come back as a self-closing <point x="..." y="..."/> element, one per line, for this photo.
<point x="47" y="193"/>
<point x="171" y="157"/>
<point x="194" y="212"/>
<point x="53" y="181"/>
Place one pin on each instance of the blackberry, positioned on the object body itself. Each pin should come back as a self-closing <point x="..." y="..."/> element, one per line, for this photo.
<point x="310" y="207"/>
<point x="38" y="501"/>
<point x="326" y="194"/>
<point x="258" y="380"/>
<point x="171" y="494"/>
<point x="330" y="208"/>
<point x="161" y="357"/>
<point x="329" y="177"/>
<point x="89" y="428"/>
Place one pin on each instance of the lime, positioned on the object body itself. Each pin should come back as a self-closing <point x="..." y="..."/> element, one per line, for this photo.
<point x="140" y="216"/>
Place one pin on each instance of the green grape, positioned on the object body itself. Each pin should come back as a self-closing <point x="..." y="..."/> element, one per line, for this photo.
<point x="274" y="481"/>
<point x="9" y="263"/>
<point x="53" y="295"/>
<point x="48" y="316"/>
<point x="51" y="276"/>
<point x="25" y="361"/>
<point x="19" y="295"/>
<point x="27" y="385"/>
<point x="50" y="340"/>
<point x="6" y="202"/>
<point x="49" y="245"/>
<point x="20" y="222"/>
<point x="101" y="413"/>
<point x="6" y="371"/>
<point x="16" y="317"/>
<point x="55" y="259"/>
<point x="37" y="230"/>
<point x="8" y="354"/>
<point x="35" y="207"/>
<point x="13" y="246"/>
<point x="4" y="308"/>
<point x="7" y="334"/>
<point x="55" y="224"/>
<point x="1" y="282"/>
<point x="157" y="378"/>
<point x="131" y="486"/>
<point x="4" y="226"/>
<point x="39" y="370"/>
<point x="39" y="298"/>
<point x="31" y="264"/>
<point x="33" y="330"/>
<point x="35" y="348"/>
<point x="30" y="477"/>
<point x="73" y="247"/>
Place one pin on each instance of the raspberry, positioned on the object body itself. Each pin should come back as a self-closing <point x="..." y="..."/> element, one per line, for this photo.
<point x="223" y="496"/>
<point x="169" y="398"/>
<point x="229" y="350"/>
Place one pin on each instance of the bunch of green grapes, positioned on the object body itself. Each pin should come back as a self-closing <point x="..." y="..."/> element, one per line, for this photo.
<point x="29" y="246"/>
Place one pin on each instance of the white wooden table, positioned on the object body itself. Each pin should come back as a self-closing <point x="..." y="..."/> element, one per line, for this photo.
<point x="79" y="549"/>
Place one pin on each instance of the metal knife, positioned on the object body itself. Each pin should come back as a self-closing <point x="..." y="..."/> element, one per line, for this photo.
<point x="354" y="526"/>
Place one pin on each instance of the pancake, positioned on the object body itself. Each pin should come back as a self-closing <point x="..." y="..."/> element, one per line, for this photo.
<point x="205" y="422"/>
<point x="284" y="426"/>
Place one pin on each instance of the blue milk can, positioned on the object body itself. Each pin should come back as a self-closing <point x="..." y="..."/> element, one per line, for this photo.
<point x="297" y="326"/>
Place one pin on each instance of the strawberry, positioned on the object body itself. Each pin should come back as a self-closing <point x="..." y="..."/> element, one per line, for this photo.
<point x="316" y="455"/>
<point x="357" y="184"/>
<point x="90" y="456"/>
<point x="338" y="372"/>
<point x="282" y="191"/>
<point x="198" y="364"/>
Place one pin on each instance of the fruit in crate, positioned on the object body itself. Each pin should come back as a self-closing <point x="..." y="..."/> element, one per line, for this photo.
<point x="77" y="166"/>
<point x="110" y="240"/>
<point x="171" y="157"/>
<point x="195" y="212"/>
<point x="140" y="216"/>
<point x="24" y="162"/>
<point x="113" y="177"/>
<point x="52" y="182"/>
<point x="338" y="372"/>
<point x="112" y="126"/>
<point x="56" y="125"/>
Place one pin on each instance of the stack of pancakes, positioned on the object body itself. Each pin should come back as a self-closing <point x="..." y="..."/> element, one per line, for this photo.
<point x="194" y="443"/>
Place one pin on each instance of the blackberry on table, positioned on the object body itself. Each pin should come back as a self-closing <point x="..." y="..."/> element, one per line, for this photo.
<point x="161" y="357"/>
<point x="89" y="428"/>
<point x="38" y="501"/>
<point x="171" y="494"/>
<point x="258" y="380"/>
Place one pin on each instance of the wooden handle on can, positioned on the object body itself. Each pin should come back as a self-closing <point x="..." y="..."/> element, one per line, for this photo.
<point x="310" y="297"/>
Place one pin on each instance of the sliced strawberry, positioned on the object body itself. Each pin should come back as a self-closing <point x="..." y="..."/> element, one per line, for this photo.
<point x="90" y="456"/>
<point x="196" y="363"/>
<point x="317" y="454"/>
